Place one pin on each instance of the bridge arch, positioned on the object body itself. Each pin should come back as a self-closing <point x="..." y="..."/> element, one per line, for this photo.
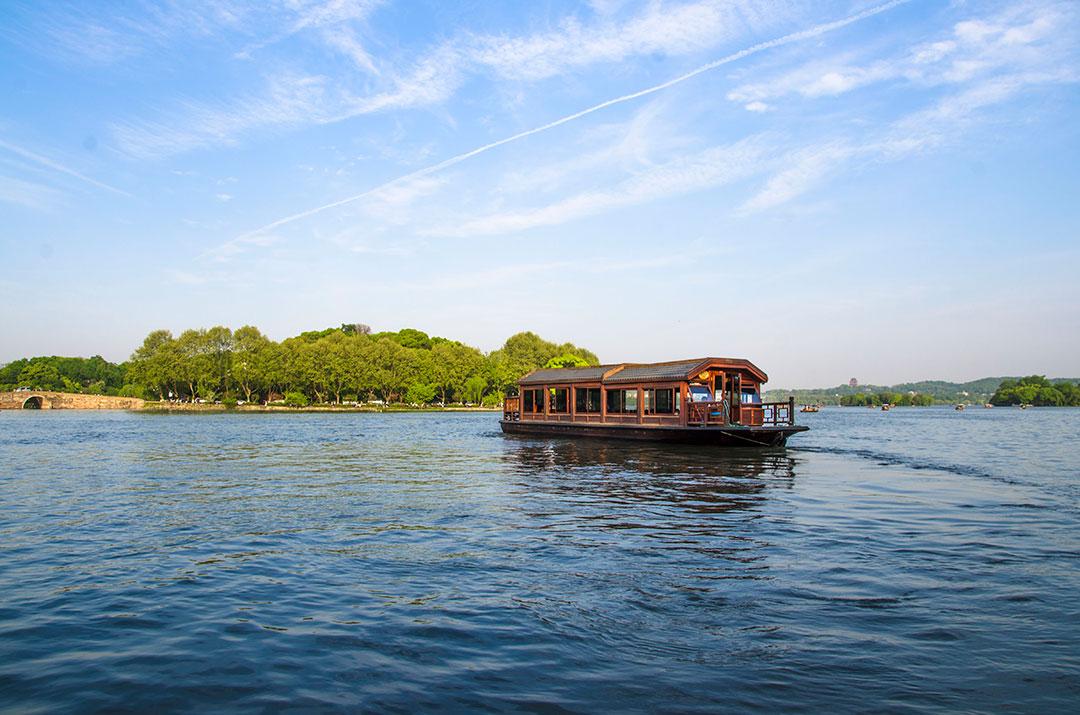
<point x="33" y="402"/>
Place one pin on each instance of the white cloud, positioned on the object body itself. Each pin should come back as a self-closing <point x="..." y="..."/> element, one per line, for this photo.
<point x="26" y="193"/>
<point x="288" y="101"/>
<point x="1024" y="36"/>
<point x="302" y="98"/>
<point x="334" y="20"/>
<point x="808" y="33"/>
<point x="917" y="132"/>
<point x="805" y="168"/>
<point x="56" y="166"/>
<point x="712" y="167"/>
<point x="236" y="246"/>
<point x="345" y="41"/>
<point x="659" y="28"/>
<point x="99" y="35"/>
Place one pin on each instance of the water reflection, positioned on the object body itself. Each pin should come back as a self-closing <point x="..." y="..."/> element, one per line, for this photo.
<point x="698" y="479"/>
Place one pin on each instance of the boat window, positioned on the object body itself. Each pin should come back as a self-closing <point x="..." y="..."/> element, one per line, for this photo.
<point x="533" y="401"/>
<point x="750" y="396"/>
<point x="587" y="399"/>
<point x="559" y="400"/>
<point x="660" y="402"/>
<point x="624" y="401"/>
<point x="700" y="393"/>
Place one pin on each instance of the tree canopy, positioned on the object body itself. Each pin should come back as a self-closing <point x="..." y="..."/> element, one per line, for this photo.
<point x="1037" y="390"/>
<point x="93" y="375"/>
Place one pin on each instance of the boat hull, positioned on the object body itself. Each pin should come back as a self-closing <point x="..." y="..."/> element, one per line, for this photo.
<point x="714" y="436"/>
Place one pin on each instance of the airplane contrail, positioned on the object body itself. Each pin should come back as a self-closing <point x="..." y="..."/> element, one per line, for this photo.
<point x="814" y="31"/>
<point x="45" y="161"/>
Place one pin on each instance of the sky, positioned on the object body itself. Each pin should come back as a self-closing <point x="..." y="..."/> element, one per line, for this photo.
<point x="832" y="189"/>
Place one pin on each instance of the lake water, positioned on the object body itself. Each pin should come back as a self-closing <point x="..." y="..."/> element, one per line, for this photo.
<point x="910" y="561"/>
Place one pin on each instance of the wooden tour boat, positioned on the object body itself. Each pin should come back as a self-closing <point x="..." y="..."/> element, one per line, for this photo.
<point x="714" y="401"/>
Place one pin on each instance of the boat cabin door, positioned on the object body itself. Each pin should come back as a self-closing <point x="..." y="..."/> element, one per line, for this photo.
<point x="734" y="396"/>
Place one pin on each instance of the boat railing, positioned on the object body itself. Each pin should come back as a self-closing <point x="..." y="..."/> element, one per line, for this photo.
<point x="707" y="413"/>
<point x="777" y="414"/>
<point x="512" y="409"/>
<point x="750" y="414"/>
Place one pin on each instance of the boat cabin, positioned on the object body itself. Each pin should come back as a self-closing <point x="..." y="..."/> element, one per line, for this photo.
<point x="703" y="392"/>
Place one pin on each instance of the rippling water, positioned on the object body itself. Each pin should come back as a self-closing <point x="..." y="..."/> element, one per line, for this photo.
<point x="916" y="560"/>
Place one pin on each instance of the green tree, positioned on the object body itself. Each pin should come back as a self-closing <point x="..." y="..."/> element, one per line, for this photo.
<point x="40" y="375"/>
<point x="156" y="363"/>
<point x="296" y="399"/>
<point x="413" y="338"/>
<point x="566" y="360"/>
<point x="524" y="352"/>
<point x="475" y="387"/>
<point x="420" y="394"/>
<point x="218" y="347"/>
<point x="333" y="361"/>
<point x="452" y="363"/>
<point x="248" y="367"/>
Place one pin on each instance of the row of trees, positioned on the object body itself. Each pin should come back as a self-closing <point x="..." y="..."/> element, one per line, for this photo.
<point x="1037" y="390"/>
<point x="333" y="365"/>
<point x="876" y="399"/>
<point x="337" y="365"/>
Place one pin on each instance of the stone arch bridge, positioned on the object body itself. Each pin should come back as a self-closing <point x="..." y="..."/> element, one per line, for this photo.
<point x="46" y="400"/>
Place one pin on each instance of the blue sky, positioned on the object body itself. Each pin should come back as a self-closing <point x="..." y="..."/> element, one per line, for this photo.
<point x="832" y="189"/>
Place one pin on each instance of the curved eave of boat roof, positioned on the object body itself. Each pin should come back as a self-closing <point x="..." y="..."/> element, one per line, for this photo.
<point x="675" y="370"/>
<point x="591" y="373"/>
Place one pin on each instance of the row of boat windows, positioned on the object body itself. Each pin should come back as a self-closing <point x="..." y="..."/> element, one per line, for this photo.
<point x="664" y="401"/>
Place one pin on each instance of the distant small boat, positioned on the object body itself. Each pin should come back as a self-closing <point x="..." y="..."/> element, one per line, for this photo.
<point x="960" y="408"/>
<point x="886" y="407"/>
<point x="810" y="408"/>
<point x="988" y="406"/>
<point x="1024" y="406"/>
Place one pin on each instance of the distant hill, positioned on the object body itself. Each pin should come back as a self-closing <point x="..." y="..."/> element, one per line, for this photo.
<point x="942" y="391"/>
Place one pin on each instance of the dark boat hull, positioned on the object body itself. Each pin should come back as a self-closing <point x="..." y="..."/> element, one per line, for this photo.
<point x="715" y="436"/>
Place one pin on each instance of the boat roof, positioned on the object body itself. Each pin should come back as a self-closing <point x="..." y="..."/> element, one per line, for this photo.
<point x="629" y="372"/>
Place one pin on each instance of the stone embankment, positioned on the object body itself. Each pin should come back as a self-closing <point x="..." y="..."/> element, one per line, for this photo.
<point x="43" y="400"/>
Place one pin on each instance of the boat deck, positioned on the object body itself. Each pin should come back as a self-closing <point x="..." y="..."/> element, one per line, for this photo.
<point x="728" y="436"/>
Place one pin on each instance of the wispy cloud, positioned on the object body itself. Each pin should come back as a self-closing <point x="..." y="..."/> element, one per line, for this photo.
<point x="58" y="167"/>
<point x="291" y="100"/>
<point x="228" y="250"/>
<point x="26" y="193"/>
<point x="917" y="132"/>
<point x="1028" y="35"/>
<point x="712" y="167"/>
<point x="440" y="72"/>
<point x="332" y="17"/>
<point x="985" y="62"/>
<point x="102" y="35"/>
<point x="803" y="169"/>
<point x="808" y="33"/>
<point x="659" y="28"/>
<point x="288" y="101"/>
